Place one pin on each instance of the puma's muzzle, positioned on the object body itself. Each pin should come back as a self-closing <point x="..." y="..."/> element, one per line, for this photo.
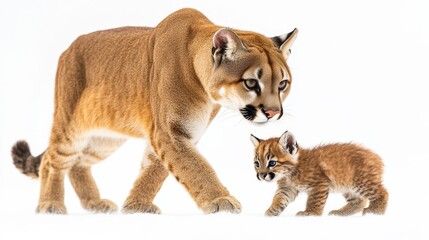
<point x="260" y="114"/>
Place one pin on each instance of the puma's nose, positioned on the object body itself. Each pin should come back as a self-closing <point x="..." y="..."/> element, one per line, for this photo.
<point x="271" y="113"/>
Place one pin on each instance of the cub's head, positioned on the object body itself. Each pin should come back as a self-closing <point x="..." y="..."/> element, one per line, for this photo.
<point x="275" y="157"/>
<point x="250" y="73"/>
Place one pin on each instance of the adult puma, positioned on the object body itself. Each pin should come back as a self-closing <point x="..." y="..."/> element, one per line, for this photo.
<point x="164" y="84"/>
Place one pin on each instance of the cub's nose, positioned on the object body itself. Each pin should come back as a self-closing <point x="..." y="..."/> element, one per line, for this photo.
<point x="265" y="176"/>
<point x="261" y="176"/>
<point x="271" y="113"/>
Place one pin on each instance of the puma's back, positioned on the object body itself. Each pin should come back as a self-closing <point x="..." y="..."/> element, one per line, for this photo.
<point x="105" y="72"/>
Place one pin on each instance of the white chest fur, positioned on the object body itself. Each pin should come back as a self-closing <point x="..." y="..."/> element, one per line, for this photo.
<point x="200" y="121"/>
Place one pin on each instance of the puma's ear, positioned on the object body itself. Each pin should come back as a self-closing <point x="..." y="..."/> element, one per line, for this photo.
<point x="225" y="45"/>
<point x="284" y="42"/>
<point x="255" y="140"/>
<point x="289" y="144"/>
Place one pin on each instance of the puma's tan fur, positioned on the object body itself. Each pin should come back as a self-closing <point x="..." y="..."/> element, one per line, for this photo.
<point x="164" y="84"/>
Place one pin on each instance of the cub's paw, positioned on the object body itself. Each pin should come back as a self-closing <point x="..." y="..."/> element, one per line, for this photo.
<point x="272" y="212"/>
<point x="344" y="213"/>
<point x="51" y="208"/>
<point x="307" y="213"/>
<point x="337" y="213"/>
<point x="100" y="206"/>
<point x="372" y="211"/>
<point x="139" y="207"/>
<point x="222" y="204"/>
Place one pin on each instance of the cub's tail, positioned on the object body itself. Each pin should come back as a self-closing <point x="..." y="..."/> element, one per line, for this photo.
<point x="24" y="161"/>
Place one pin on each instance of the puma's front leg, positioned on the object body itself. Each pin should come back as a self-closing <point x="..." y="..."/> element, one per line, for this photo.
<point x="197" y="176"/>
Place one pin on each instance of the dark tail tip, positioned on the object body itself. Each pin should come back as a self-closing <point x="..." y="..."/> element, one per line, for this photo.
<point x="24" y="161"/>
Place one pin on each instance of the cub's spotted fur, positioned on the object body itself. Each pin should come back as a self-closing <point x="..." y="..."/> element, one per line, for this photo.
<point x="164" y="84"/>
<point x="348" y="168"/>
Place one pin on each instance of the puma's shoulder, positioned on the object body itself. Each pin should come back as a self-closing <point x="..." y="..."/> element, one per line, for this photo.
<point x="189" y="15"/>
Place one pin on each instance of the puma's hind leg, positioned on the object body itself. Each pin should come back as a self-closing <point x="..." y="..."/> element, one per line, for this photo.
<point x="97" y="149"/>
<point x="148" y="183"/>
<point x="355" y="204"/>
<point x="87" y="191"/>
<point x="60" y="156"/>
<point x="51" y="199"/>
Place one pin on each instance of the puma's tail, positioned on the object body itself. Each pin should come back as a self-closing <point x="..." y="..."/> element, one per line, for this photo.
<point x="24" y="161"/>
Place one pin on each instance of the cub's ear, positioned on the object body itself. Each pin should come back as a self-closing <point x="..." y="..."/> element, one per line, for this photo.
<point x="225" y="45"/>
<point x="284" y="42"/>
<point x="289" y="144"/>
<point x="255" y="140"/>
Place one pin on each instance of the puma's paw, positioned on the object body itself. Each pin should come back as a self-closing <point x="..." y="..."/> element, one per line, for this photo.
<point x="272" y="212"/>
<point x="100" y="206"/>
<point x="222" y="204"/>
<point x="308" y="213"/>
<point x="51" y="208"/>
<point x="139" y="207"/>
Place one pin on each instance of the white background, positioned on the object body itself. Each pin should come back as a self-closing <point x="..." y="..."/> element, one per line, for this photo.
<point x="360" y="73"/>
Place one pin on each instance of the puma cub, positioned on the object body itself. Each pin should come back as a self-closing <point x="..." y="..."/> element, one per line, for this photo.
<point x="347" y="168"/>
<point x="164" y="84"/>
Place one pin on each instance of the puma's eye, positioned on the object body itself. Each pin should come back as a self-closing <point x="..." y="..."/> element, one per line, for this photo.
<point x="251" y="84"/>
<point x="272" y="163"/>
<point x="283" y="85"/>
<point x="256" y="164"/>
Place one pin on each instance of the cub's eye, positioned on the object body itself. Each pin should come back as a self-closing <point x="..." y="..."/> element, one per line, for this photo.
<point x="272" y="163"/>
<point x="283" y="85"/>
<point x="251" y="84"/>
<point x="256" y="164"/>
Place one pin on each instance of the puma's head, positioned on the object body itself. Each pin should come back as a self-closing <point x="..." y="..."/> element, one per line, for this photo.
<point x="250" y="73"/>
